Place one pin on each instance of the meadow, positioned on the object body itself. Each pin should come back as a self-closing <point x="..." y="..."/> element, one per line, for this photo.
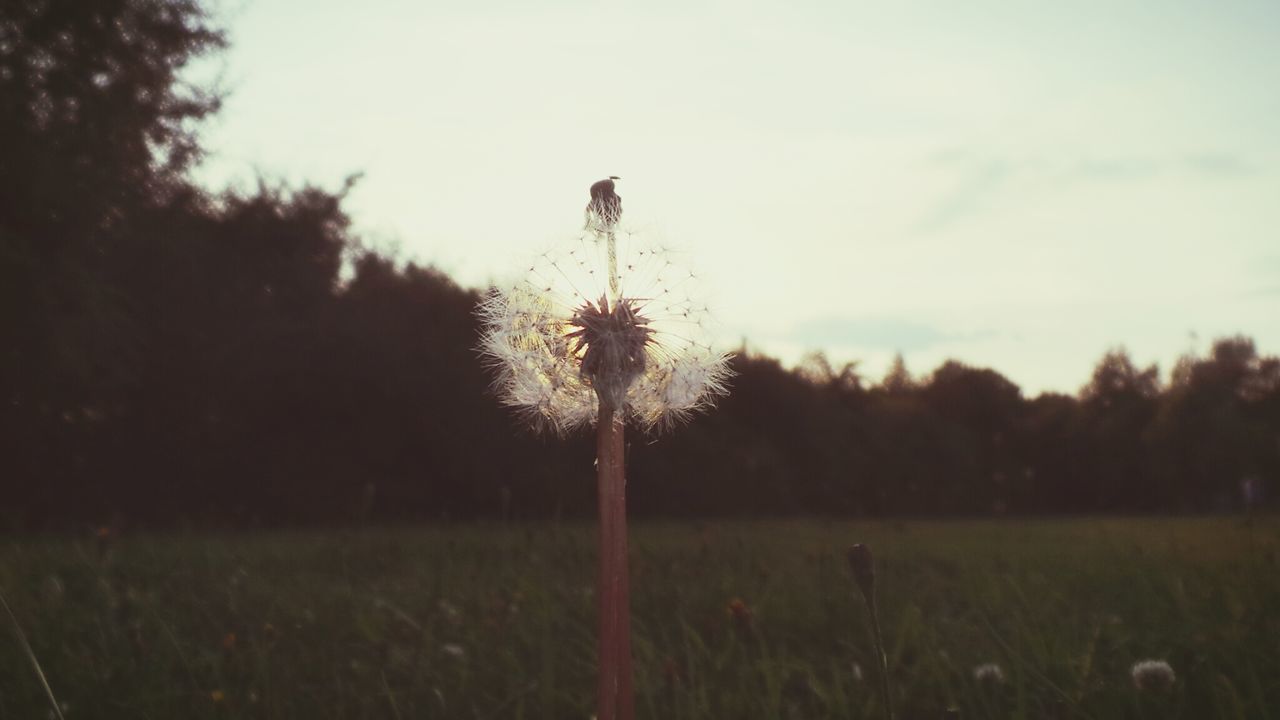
<point x="750" y="619"/>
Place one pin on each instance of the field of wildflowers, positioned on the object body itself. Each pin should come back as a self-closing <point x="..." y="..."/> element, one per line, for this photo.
<point x="1015" y="619"/>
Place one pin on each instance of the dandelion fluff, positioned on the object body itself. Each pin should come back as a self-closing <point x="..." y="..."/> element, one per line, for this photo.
<point x="1152" y="675"/>
<point x="537" y="332"/>
<point x="988" y="674"/>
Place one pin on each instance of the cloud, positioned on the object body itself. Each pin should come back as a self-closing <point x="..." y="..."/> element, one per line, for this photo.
<point x="979" y="181"/>
<point x="1114" y="168"/>
<point x="1220" y="164"/>
<point x="875" y="333"/>
<point x="1265" y="292"/>
<point x="980" y="178"/>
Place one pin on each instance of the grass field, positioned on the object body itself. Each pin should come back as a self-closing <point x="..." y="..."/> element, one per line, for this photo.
<point x="499" y="621"/>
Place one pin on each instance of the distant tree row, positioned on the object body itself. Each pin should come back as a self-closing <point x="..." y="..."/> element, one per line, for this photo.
<point x="171" y="356"/>
<point x="964" y="440"/>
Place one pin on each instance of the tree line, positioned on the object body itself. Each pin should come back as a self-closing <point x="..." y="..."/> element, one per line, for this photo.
<point x="173" y="355"/>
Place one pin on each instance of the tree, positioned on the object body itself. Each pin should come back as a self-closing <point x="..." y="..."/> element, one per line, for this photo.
<point x="979" y="410"/>
<point x="898" y="379"/>
<point x="1218" y="423"/>
<point x="96" y="129"/>
<point x="1117" y="404"/>
<point x="94" y="118"/>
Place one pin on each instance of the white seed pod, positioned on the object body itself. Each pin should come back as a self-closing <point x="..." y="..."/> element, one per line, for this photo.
<point x="1155" y="675"/>
<point x="988" y="674"/>
<point x="538" y="334"/>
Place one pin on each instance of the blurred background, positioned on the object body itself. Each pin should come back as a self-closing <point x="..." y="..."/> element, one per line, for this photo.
<point x="967" y="267"/>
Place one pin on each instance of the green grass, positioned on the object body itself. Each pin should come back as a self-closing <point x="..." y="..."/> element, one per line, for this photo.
<point x="498" y="622"/>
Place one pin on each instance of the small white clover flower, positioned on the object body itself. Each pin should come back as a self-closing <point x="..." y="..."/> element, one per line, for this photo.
<point x="988" y="674"/>
<point x="571" y="332"/>
<point x="1152" y="675"/>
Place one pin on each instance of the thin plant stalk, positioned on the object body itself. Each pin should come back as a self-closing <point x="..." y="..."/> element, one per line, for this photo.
<point x="862" y="564"/>
<point x="878" y="639"/>
<point x="616" y="699"/>
<point x="26" y="647"/>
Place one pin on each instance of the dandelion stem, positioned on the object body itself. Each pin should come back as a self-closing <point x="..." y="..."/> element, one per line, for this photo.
<point x="614" y="282"/>
<point x="615" y="690"/>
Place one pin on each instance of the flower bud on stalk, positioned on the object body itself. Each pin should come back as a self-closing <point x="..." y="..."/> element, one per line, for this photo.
<point x="863" y="568"/>
<point x="864" y="571"/>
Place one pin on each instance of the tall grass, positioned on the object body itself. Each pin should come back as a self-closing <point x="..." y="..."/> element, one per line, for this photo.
<point x="498" y="622"/>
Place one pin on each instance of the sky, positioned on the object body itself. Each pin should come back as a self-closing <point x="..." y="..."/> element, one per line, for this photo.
<point x="1021" y="186"/>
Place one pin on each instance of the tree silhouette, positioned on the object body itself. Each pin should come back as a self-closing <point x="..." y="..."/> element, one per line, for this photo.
<point x="95" y="130"/>
<point x="170" y="356"/>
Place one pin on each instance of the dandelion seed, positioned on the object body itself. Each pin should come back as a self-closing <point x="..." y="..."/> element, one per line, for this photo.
<point x="1153" y="675"/>
<point x="453" y="650"/>
<point x="988" y="674"/>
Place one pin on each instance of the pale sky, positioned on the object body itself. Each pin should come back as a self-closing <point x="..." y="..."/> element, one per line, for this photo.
<point x="1014" y="185"/>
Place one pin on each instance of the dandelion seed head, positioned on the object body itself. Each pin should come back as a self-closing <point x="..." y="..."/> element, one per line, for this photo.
<point x="988" y="674"/>
<point x="570" y="336"/>
<point x="1152" y="675"/>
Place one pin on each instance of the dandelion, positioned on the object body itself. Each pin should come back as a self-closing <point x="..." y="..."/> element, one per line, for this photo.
<point x="588" y="328"/>
<point x="605" y="330"/>
<point x="988" y="674"/>
<point x="1154" y="675"/>
<point x="217" y="696"/>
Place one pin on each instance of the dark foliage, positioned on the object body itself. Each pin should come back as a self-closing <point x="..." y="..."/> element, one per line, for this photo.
<point x="166" y="356"/>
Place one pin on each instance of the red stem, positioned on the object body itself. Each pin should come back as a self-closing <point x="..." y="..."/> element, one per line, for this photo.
<point x="615" y="692"/>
